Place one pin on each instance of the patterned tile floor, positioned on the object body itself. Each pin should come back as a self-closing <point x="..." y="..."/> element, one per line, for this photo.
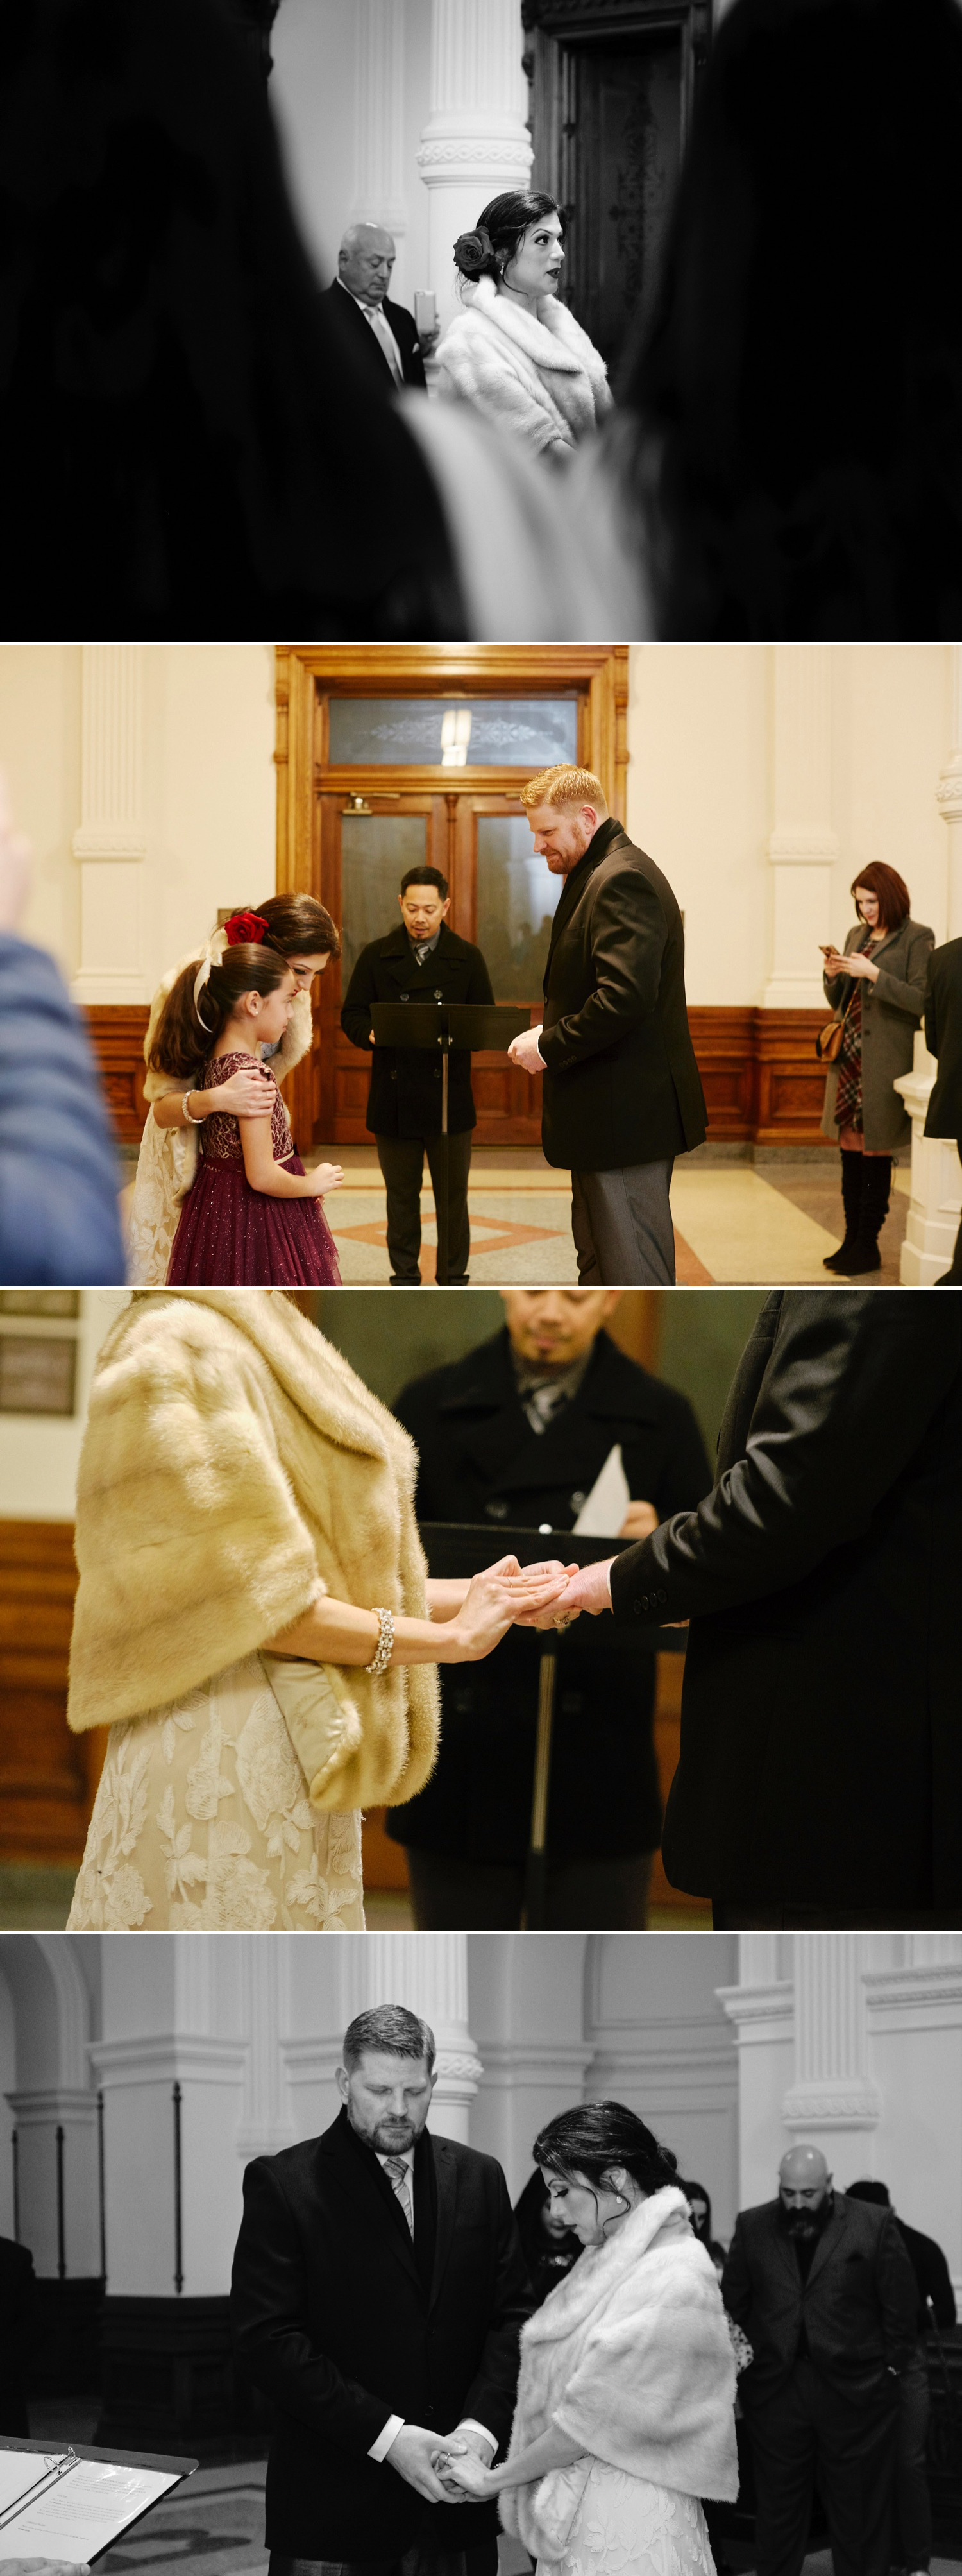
<point x="736" y="1224"/>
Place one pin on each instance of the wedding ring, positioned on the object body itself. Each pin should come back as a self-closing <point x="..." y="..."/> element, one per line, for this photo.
<point x="565" y="1619"/>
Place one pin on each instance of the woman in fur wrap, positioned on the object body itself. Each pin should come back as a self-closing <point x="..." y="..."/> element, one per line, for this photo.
<point x="516" y="354"/>
<point x="625" y="2410"/>
<point x="302" y="931"/>
<point x="245" y="1517"/>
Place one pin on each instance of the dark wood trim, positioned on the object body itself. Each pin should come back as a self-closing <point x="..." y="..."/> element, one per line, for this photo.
<point x="117" y="1032"/>
<point x="48" y="1777"/>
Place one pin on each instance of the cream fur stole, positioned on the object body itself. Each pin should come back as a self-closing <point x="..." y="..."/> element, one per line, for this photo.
<point x="538" y="372"/>
<point x="631" y="2358"/>
<point x="233" y="1470"/>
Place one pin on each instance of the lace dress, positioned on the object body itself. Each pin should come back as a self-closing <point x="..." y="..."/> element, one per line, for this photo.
<point x="232" y="1236"/>
<point x="625" y="2526"/>
<point x="201" y="1823"/>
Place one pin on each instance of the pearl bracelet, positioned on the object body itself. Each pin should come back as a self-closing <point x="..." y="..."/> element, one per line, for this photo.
<point x="385" y="1643"/>
<point x="191" y="1120"/>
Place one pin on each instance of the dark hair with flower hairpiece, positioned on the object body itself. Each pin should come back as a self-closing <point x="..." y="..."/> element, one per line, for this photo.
<point x="500" y="230"/>
<point x="245" y="927"/>
<point x="185" y="1035"/>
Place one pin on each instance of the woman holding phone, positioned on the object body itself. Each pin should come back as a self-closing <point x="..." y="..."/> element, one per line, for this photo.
<point x="876" y="988"/>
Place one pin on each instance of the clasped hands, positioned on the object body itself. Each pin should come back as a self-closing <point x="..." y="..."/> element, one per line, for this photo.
<point x="444" y="2471"/>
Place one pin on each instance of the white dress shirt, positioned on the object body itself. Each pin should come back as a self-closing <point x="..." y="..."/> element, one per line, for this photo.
<point x="395" y="2423"/>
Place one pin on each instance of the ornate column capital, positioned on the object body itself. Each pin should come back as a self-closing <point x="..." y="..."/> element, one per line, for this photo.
<point x="476" y="140"/>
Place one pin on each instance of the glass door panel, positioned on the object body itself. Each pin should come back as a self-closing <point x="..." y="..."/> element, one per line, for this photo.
<point x="452" y="733"/>
<point x="376" y="852"/>
<point x="515" y="905"/>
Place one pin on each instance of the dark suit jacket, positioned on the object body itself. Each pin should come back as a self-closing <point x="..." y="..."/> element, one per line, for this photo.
<point x="855" y="2313"/>
<point x="405" y="1094"/>
<point x="340" y="2320"/>
<point x="821" y="1751"/>
<point x="622" y="1085"/>
<point x="344" y="304"/>
<point x="18" y="2333"/>
<point x="943" y="1037"/>
<point x="933" y="2279"/>
<point x="479" y="1460"/>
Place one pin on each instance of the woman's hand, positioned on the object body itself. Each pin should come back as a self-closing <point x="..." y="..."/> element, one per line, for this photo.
<point x="248" y="1094"/>
<point x="856" y="964"/>
<point x="324" y="1177"/>
<point x="494" y="1600"/>
<point x="589" y="1588"/>
<point x="462" y="2468"/>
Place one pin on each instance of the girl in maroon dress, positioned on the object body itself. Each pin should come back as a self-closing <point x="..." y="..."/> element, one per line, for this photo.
<point x="253" y="1218"/>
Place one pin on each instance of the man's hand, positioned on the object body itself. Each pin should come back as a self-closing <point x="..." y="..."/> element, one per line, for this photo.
<point x="412" y="2454"/>
<point x="14" y="866"/>
<point x="589" y="1589"/>
<point x="526" y="1052"/>
<point x="458" y="2444"/>
<point x="639" y="1521"/>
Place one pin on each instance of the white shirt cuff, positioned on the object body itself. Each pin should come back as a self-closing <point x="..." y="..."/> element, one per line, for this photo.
<point x="469" y="2424"/>
<point x="387" y="2435"/>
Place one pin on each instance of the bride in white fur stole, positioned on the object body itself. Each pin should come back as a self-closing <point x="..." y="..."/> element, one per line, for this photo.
<point x="625" y="2412"/>
<point x="515" y="353"/>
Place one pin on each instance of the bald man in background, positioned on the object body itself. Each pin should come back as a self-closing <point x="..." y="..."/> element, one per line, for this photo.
<point x="384" y="332"/>
<point x="824" y="2290"/>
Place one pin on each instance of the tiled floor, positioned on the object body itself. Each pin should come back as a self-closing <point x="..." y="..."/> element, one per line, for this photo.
<point x="736" y="1223"/>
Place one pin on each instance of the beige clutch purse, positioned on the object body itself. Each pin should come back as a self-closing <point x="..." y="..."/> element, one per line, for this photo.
<point x="321" y="1720"/>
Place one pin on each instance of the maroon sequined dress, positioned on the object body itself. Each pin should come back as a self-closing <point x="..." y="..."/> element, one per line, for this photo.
<point x="231" y="1236"/>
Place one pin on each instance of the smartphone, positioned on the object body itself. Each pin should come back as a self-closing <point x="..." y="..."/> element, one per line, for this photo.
<point x="425" y="311"/>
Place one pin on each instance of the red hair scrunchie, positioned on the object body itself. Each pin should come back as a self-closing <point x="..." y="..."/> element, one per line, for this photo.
<point x="246" y="926"/>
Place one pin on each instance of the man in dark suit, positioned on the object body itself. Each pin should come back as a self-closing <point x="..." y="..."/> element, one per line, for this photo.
<point x="382" y="333"/>
<point x="378" y="2296"/>
<point x="622" y="1094"/>
<point x="421" y="961"/>
<point x="936" y="2306"/>
<point x="517" y="1434"/>
<point x="18" y="2333"/>
<point x="943" y="1037"/>
<point x="824" y="2290"/>
<point x="820" y="1774"/>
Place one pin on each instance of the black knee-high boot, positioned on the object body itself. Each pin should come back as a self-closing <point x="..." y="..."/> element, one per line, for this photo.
<point x="873" y="1210"/>
<point x="852" y="1165"/>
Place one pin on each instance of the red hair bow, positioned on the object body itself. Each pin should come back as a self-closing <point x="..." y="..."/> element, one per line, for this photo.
<point x="246" y="926"/>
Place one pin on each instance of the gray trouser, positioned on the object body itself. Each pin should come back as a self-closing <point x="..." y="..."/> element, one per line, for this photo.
<point x="621" y="1222"/>
<point x="402" y="1162"/>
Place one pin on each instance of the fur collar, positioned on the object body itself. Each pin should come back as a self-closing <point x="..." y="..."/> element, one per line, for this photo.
<point x="552" y="338"/>
<point x="310" y="1371"/>
<point x="661" y="2221"/>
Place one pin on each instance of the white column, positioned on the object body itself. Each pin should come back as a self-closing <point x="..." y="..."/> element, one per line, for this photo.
<point x="265" y="1985"/>
<point x="110" y="842"/>
<point x="762" y="2009"/>
<point x="427" y="1971"/>
<point x="936" y="1194"/>
<point x="38" y="2116"/>
<point x="476" y="141"/>
<point x="914" y="2015"/>
<point x="802" y="846"/>
<point x="138" y="2076"/>
<point x="832" y="2090"/>
<point x="949" y="800"/>
<point x="379" y="197"/>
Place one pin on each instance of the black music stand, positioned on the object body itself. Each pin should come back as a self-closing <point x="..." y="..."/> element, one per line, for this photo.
<point x="455" y="1549"/>
<point x="447" y="1024"/>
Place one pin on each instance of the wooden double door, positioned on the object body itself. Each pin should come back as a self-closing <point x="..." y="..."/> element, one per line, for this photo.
<point x="502" y="898"/>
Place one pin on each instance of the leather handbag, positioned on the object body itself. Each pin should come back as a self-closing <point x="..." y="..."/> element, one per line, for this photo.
<point x="828" y="1044"/>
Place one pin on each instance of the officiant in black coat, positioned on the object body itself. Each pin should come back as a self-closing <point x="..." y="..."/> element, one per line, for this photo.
<point x="820" y="1774"/>
<point x="943" y="1037"/>
<point x="516" y="1435"/>
<point x="378" y="2295"/>
<point x="422" y="960"/>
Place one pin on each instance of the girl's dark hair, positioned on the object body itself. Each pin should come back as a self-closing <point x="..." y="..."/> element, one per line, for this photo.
<point x="894" y="901"/>
<point x="798" y="398"/>
<point x="597" y="2135"/>
<point x="298" y="926"/>
<point x="500" y="228"/>
<point x="184" y="1037"/>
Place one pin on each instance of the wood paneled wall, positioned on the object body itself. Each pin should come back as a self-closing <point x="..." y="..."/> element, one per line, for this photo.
<point x="48" y="1777"/>
<point x="763" y="1082"/>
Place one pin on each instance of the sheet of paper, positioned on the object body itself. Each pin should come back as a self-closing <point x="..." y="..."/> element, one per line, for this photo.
<point x="18" y="2471"/>
<point x="602" y="1515"/>
<point x="85" y="2511"/>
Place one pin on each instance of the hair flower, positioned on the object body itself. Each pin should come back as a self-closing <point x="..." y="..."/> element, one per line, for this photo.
<point x="246" y="926"/>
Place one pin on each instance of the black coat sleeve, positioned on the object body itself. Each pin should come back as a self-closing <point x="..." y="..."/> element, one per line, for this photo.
<point x="628" y="937"/>
<point x="852" y="1383"/>
<point x="491" y="2396"/>
<point x="361" y="992"/>
<point x="897" y="2296"/>
<point x="270" y="2327"/>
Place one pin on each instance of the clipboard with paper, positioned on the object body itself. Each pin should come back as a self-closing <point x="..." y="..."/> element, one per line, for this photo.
<point x="67" y="2503"/>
